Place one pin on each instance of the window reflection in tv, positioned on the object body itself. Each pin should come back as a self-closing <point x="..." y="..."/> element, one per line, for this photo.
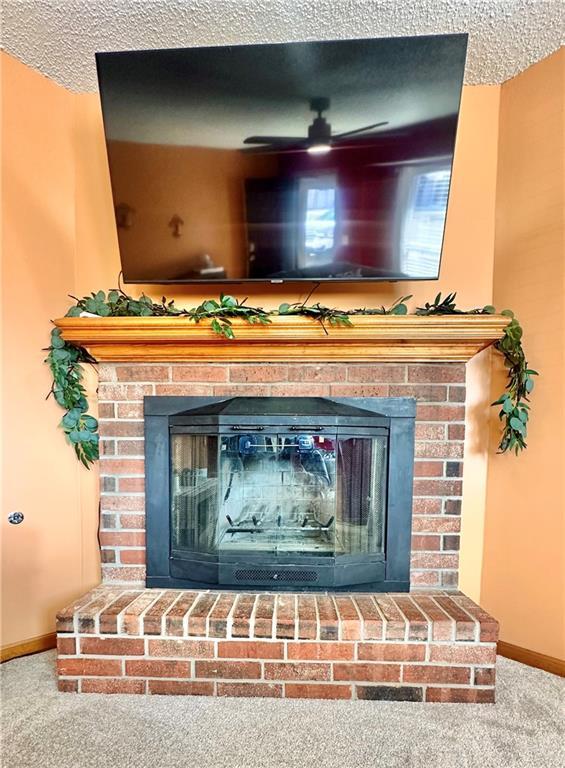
<point x="292" y="161"/>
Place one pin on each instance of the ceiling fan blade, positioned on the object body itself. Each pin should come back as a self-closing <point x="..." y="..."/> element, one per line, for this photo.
<point x="339" y="136"/>
<point x="276" y="148"/>
<point x="273" y="139"/>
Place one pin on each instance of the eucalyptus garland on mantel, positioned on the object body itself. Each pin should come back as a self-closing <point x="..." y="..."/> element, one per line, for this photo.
<point x="66" y="360"/>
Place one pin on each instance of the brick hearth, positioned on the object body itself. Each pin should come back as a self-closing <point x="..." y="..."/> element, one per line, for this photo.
<point x="439" y="389"/>
<point x="436" y="646"/>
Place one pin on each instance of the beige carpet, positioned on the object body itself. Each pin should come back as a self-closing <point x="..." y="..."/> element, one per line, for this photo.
<point x="46" y="729"/>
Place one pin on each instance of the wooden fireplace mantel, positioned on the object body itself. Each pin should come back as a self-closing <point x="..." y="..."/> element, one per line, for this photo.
<point x="408" y="338"/>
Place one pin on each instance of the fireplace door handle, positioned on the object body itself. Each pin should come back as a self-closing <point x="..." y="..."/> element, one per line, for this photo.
<point x="248" y="429"/>
<point x="306" y="429"/>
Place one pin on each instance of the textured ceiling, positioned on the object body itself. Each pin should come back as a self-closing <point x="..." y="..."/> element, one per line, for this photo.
<point x="59" y="37"/>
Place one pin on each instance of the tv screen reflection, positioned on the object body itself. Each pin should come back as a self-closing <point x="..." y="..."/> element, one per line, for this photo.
<point x="296" y="161"/>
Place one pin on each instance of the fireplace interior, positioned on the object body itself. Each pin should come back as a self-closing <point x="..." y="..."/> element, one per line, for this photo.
<point x="313" y="493"/>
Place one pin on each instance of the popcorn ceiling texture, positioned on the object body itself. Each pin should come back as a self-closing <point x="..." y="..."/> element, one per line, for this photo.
<point x="59" y="37"/>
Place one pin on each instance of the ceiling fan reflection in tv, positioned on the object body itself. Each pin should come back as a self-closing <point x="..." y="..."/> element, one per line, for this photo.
<point x="320" y="139"/>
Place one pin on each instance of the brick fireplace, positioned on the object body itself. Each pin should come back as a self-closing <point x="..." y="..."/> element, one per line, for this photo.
<point x="432" y="644"/>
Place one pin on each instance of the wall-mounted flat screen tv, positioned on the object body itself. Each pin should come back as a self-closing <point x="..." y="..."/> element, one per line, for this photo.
<point x="281" y="162"/>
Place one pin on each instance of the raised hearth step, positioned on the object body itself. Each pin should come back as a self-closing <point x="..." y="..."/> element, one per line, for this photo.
<point x="432" y="646"/>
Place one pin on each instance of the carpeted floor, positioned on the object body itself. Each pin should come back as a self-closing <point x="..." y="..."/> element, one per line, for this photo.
<point x="46" y="729"/>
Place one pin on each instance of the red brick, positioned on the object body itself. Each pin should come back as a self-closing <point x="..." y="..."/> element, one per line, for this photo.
<point x="108" y="520"/>
<point x="417" y="621"/>
<point x="108" y="619"/>
<point x="463" y="654"/>
<point x="198" y="617"/>
<point x="432" y="450"/>
<point x="122" y="503"/>
<point x="427" y="393"/>
<point x="66" y="646"/>
<point x="285" y="616"/>
<point x="241" y="615"/>
<point x="327" y="651"/>
<point x="319" y="691"/>
<point x="484" y="676"/>
<point x="376" y="373"/>
<point x="106" y="410"/>
<point x="258" y="373"/>
<point x="349" y="619"/>
<point x="327" y="614"/>
<point x="107" y="447"/>
<point x="372" y="619"/>
<point x="121" y="428"/>
<point x="153" y="616"/>
<point x="131" y="616"/>
<point x="107" y="556"/>
<point x="461" y="695"/>
<point x="456" y="432"/>
<point x="359" y="390"/>
<point x="434" y="560"/>
<point x="456" y="394"/>
<point x="183" y="390"/>
<point x="130" y="447"/>
<point x="132" y="521"/>
<point x="241" y="390"/>
<point x="428" y="468"/>
<point x="430" y="373"/>
<point x="127" y="392"/>
<point x="111" y="646"/>
<point x="229" y="669"/>
<point x="446" y="412"/>
<point x="250" y="649"/>
<point x="307" y="617"/>
<point x="161" y="668"/>
<point x="132" y="556"/>
<point x="395" y="626"/>
<point x="130" y="410"/>
<point x="425" y="578"/>
<point x="488" y="625"/>
<point x="426" y="506"/>
<point x="75" y="667"/>
<point x="67" y="686"/>
<point x="296" y="670"/>
<point x="429" y="673"/>
<point x="123" y="573"/>
<point x="263" y="620"/>
<point x="180" y="687"/>
<point x="438" y="487"/>
<point x="142" y="372"/>
<point x="174" y="618"/>
<point x="326" y="373"/>
<point x="430" y="430"/>
<point x="425" y="543"/>
<point x="122" y="538"/>
<point x="191" y="649"/>
<point x="122" y="466"/>
<point x="131" y="484"/>
<point x="464" y="624"/>
<point x="111" y="685"/>
<point x="391" y="651"/>
<point x="370" y="673"/>
<point x="218" y="618"/>
<point x="203" y="373"/>
<point x="429" y="524"/>
<point x="443" y="628"/>
<point x="262" y="690"/>
<point x="300" y="390"/>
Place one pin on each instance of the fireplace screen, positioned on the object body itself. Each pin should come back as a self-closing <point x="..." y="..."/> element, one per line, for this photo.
<point x="277" y="494"/>
<point x="304" y="501"/>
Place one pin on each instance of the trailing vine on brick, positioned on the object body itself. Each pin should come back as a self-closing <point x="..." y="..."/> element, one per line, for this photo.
<point x="66" y="360"/>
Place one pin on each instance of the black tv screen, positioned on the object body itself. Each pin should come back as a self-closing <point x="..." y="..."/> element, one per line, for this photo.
<point x="281" y="162"/>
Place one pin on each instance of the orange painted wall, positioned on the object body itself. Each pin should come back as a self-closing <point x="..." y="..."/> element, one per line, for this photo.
<point x="60" y="237"/>
<point x="523" y="580"/>
<point x="51" y="555"/>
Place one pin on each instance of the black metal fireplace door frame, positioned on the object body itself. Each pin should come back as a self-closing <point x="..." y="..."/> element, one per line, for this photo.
<point x="380" y="572"/>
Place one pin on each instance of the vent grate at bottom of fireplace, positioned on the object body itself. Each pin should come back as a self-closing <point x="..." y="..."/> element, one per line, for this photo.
<point x="265" y="574"/>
